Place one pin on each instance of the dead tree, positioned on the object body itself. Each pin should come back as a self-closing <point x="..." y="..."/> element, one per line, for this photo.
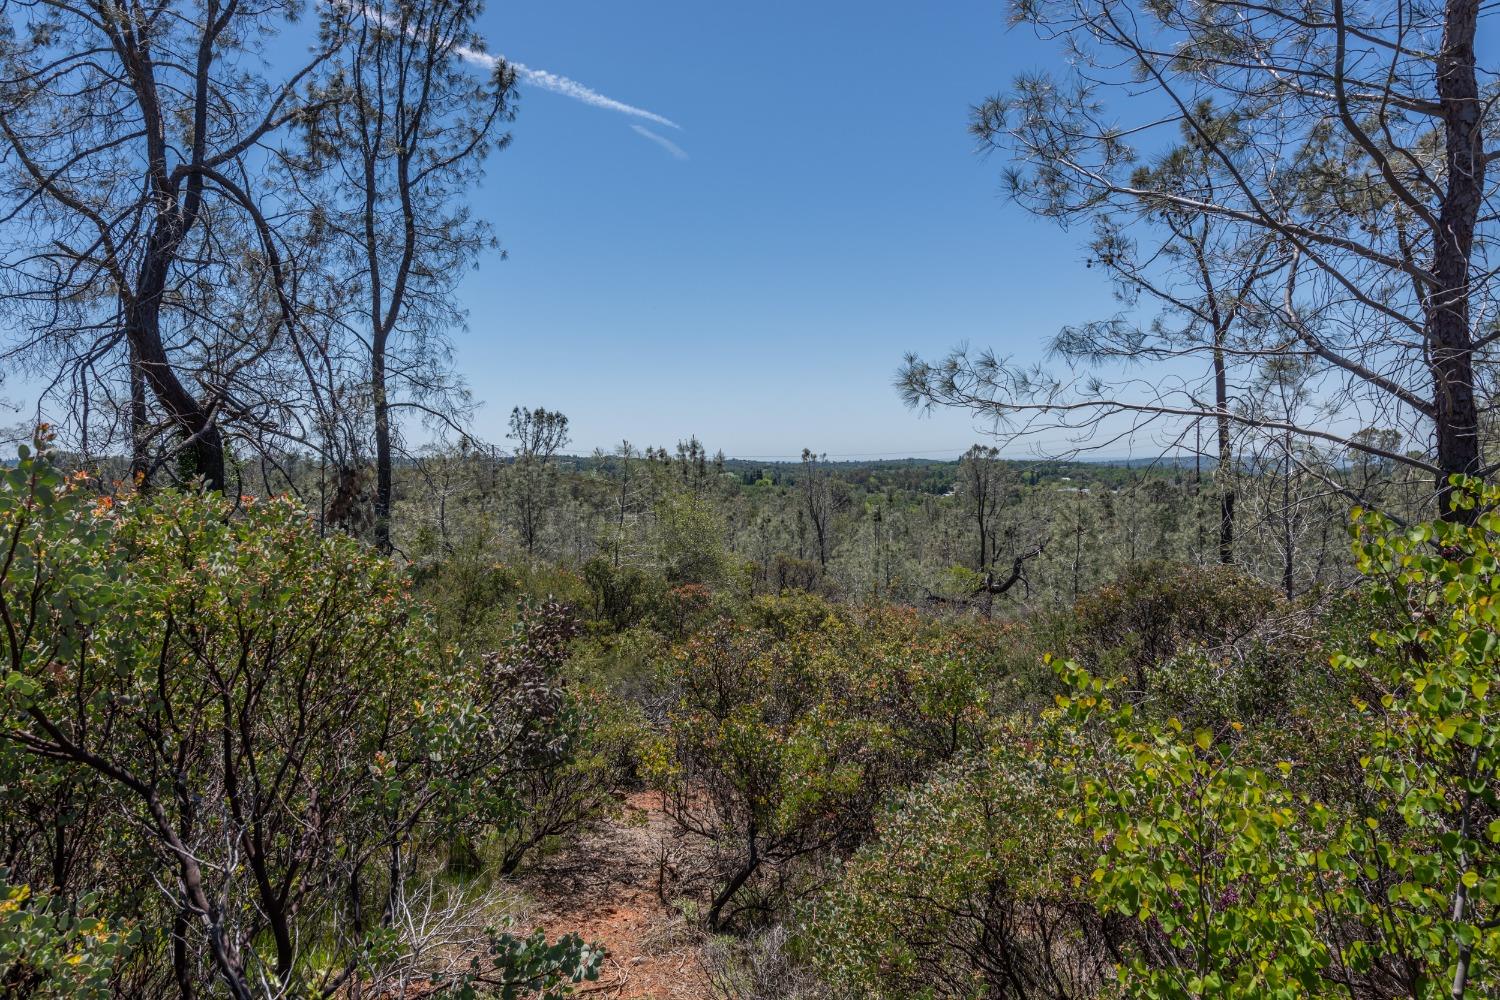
<point x="817" y="500"/>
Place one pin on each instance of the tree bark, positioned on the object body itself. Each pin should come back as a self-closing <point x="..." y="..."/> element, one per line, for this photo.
<point x="383" y="482"/>
<point x="1450" y="344"/>
<point x="138" y="430"/>
<point x="715" y="912"/>
<point x="203" y="442"/>
<point x="182" y="971"/>
<point x="1226" y="457"/>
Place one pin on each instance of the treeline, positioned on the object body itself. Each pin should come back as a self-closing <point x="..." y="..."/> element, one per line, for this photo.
<point x="915" y="531"/>
<point x="931" y="534"/>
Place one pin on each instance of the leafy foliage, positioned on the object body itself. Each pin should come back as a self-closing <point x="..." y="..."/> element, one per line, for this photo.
<point x="530" y="967"/>
<point x="967" y="890"/>
<point x="1153" y="610"/>
<point x="271" y="727"/>
<point x="1254" y="886"/>
<point x="787" y="727"/>
<point x="48" y="950"/>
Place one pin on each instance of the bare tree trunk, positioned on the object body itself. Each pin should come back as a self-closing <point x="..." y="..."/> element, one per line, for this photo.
<point x="1198" y="491"/>
<point x="182" y="971"/>
<point x="1451" y="349"/>
<point x="1461" y="892"/>
<point x="196" y="423"/>
<point x="818" y="504"/>
<point x="138" y="430"/>
<point x="1226" y="456"/>
<point x="1288" y="529"/>
<point x="752" y="862"/>
<point x="1077" y="540"/>
<point x="383" y="481"/>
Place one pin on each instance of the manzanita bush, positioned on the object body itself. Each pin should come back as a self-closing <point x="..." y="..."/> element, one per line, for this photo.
<point x="967" y="889"/>
<point x="788" y="725"/>
<point x="229" y="744"/>
<point x="49" y="949"/>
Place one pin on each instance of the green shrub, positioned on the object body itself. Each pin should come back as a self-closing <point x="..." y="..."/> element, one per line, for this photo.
<point x="619" y="595"/>
<point x="259" y="717"/>
<point x="969" y="890"/>
<point x="52" y="951"/>
<point x="1253" y="885"/>
<point x="1154" y="610"/>
<point x="469" y="592"/>
<point x="786" y="729"/>
<point x="688" y="543"/>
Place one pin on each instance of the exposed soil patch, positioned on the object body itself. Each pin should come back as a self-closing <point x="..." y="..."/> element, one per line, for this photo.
<point x="606" y="888"/>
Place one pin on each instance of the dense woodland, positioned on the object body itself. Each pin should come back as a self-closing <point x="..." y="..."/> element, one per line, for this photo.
<point x="308" y="691"/>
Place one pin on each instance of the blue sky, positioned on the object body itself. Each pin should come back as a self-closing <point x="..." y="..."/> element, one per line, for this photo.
<point x="830" y="215"/>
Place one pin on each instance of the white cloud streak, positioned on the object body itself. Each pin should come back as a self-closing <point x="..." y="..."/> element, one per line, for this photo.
<point x="560" y="85"/>
<point x="568" y="88"/>
<point x="661" y="140"/>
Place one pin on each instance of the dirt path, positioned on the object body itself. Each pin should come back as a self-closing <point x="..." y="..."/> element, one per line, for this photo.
<point x="605" y="888"/>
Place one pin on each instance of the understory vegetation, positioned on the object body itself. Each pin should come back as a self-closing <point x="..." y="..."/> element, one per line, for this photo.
<point x="243" y="756"/>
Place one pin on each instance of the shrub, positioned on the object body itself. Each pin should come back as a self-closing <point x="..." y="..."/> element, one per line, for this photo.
<point x="50" y="950"/>
<point x="576" y="786"/>
<point x="466" y="589"/>
<point x="786" y="572"/>
<point x="618" y="595"/>
<point x="688" y="543"/>
<point x="1154" y="610"/>
<point x="1216" y="860"/>
<point x="968" y="890"/>
<point x="260" y="717"/>
<point x="759" y="966"/>
<point x="786" y="728"/>
<point x="1250" y="884"/>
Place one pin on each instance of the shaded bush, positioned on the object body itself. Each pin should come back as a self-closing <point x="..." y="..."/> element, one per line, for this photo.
<point x="786" y="572"/>
<point x="1154" y="610"/>
<point x="619" y="595"/>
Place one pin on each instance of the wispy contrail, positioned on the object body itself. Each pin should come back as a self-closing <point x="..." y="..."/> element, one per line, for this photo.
<point x="551" y="81"/>
<point x="566" y="87"/>
<point x="661" y="141"/>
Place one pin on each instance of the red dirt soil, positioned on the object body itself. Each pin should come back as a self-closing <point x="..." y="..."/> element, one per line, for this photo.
<point x="606" y="889"/>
